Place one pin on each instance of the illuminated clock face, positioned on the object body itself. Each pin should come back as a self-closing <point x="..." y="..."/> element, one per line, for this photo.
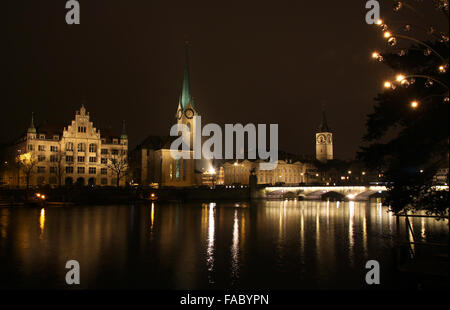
<point x="179" y="114"/>
<point x="189" y="113"/>
<point x="321" y="139"/>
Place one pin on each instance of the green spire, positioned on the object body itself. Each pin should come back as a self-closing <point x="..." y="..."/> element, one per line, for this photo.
<point x="324" y="124"/>
<point x="186" y="91"/>
<point x="124" y="131"/>
<point x="32" y="129"/>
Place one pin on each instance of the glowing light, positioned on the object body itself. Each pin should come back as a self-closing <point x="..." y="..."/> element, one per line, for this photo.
<point x="387" y="84"/>
<point x="442" y="68"/>
<point x="400" y="77"/>
<point x="349" y="172"/>
<point x="414" y="104"/>
<point x="351" y="196"/>
<point x="379" y="22"/>
<point x="212" y="171"/>
<point x="363" y="173"/>
<point x="387" y="34"/>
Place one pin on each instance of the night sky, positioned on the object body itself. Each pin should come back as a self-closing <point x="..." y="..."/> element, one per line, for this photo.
<point x="251" y="62"/>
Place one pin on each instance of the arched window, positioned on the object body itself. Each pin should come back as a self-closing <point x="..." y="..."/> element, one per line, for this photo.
<point x="81" y="147"/>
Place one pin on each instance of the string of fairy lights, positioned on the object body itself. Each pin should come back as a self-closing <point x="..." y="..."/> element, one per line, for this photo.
<point x="392" y="38"/>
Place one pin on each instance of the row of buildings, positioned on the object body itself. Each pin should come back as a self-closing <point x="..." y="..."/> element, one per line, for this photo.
<point x="80" y="153"/>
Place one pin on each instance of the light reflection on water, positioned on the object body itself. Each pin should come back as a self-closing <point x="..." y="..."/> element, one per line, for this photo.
<point x="268" y="244"/>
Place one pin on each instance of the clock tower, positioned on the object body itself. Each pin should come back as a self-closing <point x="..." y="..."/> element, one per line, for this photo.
<point x="186" y="109"/>
<point x="324" y="141"/>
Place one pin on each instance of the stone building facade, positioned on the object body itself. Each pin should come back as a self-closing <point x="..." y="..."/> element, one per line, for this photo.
<point x="76" y="154"/>
<point x="287" y="172"/>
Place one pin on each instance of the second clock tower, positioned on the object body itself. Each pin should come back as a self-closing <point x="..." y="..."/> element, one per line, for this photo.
<point x="324" y="141"/>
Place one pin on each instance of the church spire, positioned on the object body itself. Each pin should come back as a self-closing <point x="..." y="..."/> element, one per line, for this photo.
<point x="324" y="124"/>
<point x="124" y="131"/>
<point x="32" y="129"/>
<point x="186" y="91"/>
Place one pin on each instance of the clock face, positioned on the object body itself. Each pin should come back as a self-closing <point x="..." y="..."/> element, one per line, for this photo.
<point x="321" y="139"/>
<point x="189" y="113"/>
<point x="179" y="114"/>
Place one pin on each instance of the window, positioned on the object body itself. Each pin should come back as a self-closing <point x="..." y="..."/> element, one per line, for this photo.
<point x="80" y="170"/>
<point x="115" y="141"/>
<point x="104" y="161"/>
<point x="41" y="147"/>
<point x="42" y="137"/>
<point x="41" y="169"/>
<point x="55" y="137"/>
<point x="104" y="171"/>
<point x="115" y="152"/>
<point x="104" y="181"/>
<point x="53" y="148"/>
<point x="81" y="147"/>
<point x="80" y="159"/>
<point x="69" y="169"/>
<point x="93" y="148"/>
<point x="41" y="157"/>
<point x="52" y="180"/>
<point x="69" y="159"/>
<point x="81" y="129"/>
<point x="30" y="147"/>
<point x="69" y="146"/>
<point x="92" y="170"/>
<point x="104" y="151"/>
<point x="41" y="180"/>
<point x="53" y="158"/>
<point x="53" y="170"/>
<point x="92" y="159"/>
<point x="177" y="170"/>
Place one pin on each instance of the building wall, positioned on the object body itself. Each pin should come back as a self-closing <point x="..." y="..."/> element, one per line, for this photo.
<point x="286" y="172"/>
<point x="324" y="146"/>
<point x="78" y="153"/>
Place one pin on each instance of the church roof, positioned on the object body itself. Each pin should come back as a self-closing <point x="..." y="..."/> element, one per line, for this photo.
<point x="324" y="124"/>
<point x="186" y="98"/>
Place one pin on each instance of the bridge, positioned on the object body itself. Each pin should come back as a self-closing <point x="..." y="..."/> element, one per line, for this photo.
<point x="356" y="193"/>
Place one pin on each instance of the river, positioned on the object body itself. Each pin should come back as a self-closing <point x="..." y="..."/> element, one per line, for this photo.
<point x="211" y="245"/>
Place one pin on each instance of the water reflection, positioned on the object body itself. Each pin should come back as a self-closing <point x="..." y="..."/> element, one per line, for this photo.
<point x="235" y="248"/>
<point x="42" y="222"/>
<point x="268" y="244"/>
<point x="210" y="240"/>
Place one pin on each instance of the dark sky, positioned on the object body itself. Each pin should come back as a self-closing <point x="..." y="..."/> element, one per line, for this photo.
<point x="251" y="61"/>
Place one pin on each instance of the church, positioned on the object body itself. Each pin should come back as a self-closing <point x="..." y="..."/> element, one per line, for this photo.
<point x="151" y="161"/>
<point x="152" y="164"/>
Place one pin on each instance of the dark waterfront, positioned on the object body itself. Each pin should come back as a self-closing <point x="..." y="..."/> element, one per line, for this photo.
<point x="265" y="245"/>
